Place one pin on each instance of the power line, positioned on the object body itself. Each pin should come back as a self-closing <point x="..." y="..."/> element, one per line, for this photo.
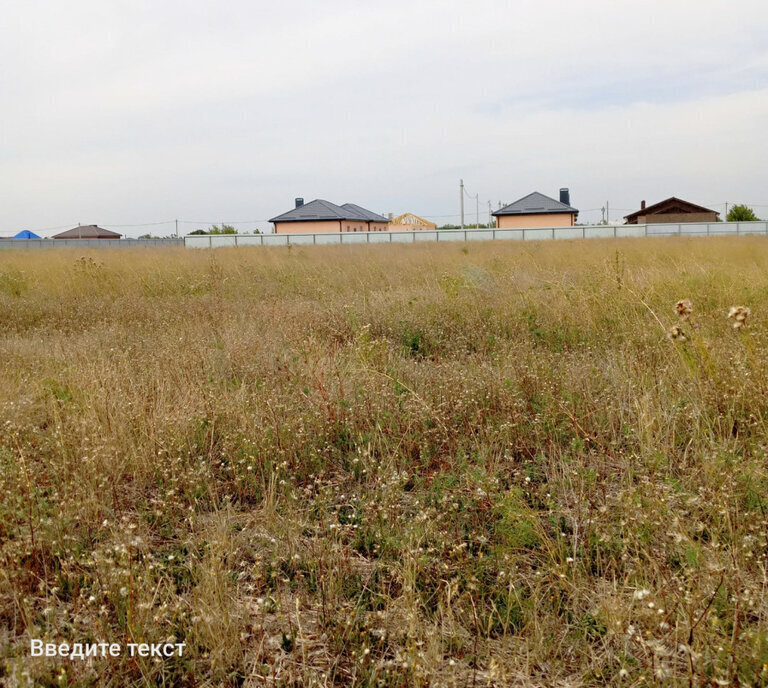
<point x="144" y="224"/>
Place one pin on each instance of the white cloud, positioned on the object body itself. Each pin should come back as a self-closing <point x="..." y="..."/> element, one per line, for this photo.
<point x="138" y="111"/>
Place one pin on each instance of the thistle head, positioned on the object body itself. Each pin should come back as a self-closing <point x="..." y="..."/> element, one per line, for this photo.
<point x="684" y="308"/>
<point x="676" y="333"/>
<point x="740" y="315"/>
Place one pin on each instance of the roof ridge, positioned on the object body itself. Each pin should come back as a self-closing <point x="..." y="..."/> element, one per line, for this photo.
<point x="519" y="207"/>
<point x="653" y="206"/>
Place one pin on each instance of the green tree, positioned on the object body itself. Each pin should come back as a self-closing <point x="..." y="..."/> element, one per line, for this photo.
<point x="224" y="229"/>
<point x="741" y="213"/>
<point x="198" y="232"/>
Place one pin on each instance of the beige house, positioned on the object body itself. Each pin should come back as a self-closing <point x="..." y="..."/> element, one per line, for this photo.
<point x="324" y="217"/>
<point x="671" y="210"/>
<point x="537" y="210"/>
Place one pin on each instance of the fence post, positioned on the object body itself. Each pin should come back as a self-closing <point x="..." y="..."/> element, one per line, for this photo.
<point x="494" y="233"/>
<point x="614" y="231"/>
<point x="737" y="228"/>
<point x="553" y="232"/>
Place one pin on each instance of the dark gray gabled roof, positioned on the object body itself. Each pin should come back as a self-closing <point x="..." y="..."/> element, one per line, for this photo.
<point x="314" y="210"/>
<point x="325" y="210"/>
<point x="535" y="204"/>
<point x="364" y="214"/>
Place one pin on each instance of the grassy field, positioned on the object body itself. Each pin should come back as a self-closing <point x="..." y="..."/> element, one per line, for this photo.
<point x="467" y="465"/>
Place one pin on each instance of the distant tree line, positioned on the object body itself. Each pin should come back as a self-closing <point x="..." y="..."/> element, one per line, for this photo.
<point x="224" y="229"/>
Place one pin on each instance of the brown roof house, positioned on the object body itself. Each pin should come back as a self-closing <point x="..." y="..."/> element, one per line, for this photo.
<point x="88" y="232"/>
<point x="537" y="210"/>
<point x="321" y="216"/>
<point x="671" y="210"/>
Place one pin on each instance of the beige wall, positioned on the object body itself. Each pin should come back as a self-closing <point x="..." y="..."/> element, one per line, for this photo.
<point x="327" y="226"/>
<point x="663" y="218"/>
<point x="354" y="226"/>
<point x="311" y="227"/>
<point x="532" y="221"/>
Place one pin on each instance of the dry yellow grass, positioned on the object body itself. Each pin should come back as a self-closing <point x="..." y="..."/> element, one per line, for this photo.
<point x="430" y="465"/>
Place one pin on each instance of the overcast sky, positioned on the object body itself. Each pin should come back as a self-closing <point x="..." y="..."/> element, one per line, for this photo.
<point x="120" y="112"/>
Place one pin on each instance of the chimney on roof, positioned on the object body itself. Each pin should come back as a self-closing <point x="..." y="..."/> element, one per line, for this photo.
<point x="565" y="196"/>
<point x="299" y="202"/>
<point x="642" y="205"/>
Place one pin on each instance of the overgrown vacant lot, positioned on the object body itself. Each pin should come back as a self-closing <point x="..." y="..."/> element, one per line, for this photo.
<point x="430" y="465"/>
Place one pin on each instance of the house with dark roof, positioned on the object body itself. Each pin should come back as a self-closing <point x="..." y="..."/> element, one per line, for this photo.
<point x="671" y="210"/>
<point x="537" y="210"/>
<point x="321" y="217"/>
<point x="88" y="232"/>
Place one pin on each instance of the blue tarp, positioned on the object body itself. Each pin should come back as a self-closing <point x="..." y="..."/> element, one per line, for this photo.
<point x="26" y="234"/>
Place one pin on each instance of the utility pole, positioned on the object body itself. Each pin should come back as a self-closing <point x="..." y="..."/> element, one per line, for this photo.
<point x="489" y="214"/>
<point x="461" y="193"/>
<point x="177" y="229"/>
<point x="607" y="213"/>
<point x="726" y="211"/>
<point x="477" y="211"/>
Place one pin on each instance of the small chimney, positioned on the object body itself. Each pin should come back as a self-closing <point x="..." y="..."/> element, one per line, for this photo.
<point x="642" y="205"/>
<point x="565" y="196"/>
<point x="390" y="216"/>
<point x="299" y="202"/>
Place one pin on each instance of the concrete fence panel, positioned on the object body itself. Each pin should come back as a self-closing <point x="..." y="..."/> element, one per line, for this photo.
<point x="450" y="235"/>
<point x="353" y="238"/>
<point x="461" y="235"/>
<point x="508" y="234"/>
<point x="568" y="233"/>
<point x="753" y="227"/>
<point x="599" y="232"/>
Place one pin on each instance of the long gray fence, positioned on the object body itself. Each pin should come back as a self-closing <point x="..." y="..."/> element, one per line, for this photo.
<point x="87" y="243"/>
<point x="538" y="234"/>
